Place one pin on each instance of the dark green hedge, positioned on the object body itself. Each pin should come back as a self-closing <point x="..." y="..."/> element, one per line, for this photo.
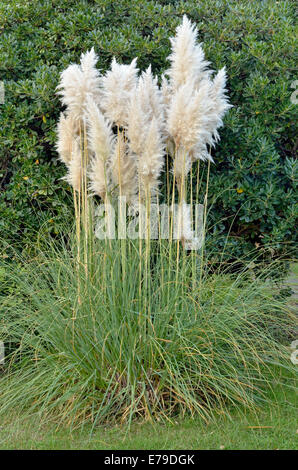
<point x="252" y="188"/>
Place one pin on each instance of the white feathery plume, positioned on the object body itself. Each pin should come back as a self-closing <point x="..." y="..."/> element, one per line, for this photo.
<point x="145" y="104"/>
<point x="151" y="97"/>
<point x="167" y="95"/>
<point x="188" y="62"/>
<point x="166" y="91"/>
<point x="188" y="122"/>
<point x="200" y="152"/>
<point x="189" y="116"/>
<point x="182" y="164"/>
<point x="150" y="162"/>
<point x="144" y="130"/>
<point x="123" y="169"/>
<point x="137" y="122"/>
<point x="74" y="166"/>
<point x="220" y="102"/>
<point x="176" y="125"/>
<point x="69" y="149"/>
<point x="101" y="144"/>
<point x="117" y="86"/>
<point x="78" y="81"/>
<point x="198" y="104"/>
<point x="68" y="130"/>
<point x="218" y="108"/>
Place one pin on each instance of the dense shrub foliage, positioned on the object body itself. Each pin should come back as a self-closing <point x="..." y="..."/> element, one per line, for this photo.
<point x="252" y="186"/>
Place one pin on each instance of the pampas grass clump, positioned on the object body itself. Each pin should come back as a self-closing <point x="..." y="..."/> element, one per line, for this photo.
<point x="113" y="330"/>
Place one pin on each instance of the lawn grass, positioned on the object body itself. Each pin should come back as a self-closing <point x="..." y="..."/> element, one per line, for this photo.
<point x="273" y="427"/>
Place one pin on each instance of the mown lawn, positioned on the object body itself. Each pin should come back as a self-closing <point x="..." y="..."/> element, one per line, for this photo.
<point x="274" y="427"/>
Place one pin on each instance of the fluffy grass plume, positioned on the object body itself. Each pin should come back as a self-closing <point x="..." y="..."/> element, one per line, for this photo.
<point x="195" y="104"/>
<point x="101" y="144"/>
<point x="79" y="81"/>
<point x="151" y="160"/>
<point x="188" y="64"/>
<point x="68" y="131"/>
<point x="123" y="170"/>
<point x="117" y="86"/>
<point x="144" y="131"/>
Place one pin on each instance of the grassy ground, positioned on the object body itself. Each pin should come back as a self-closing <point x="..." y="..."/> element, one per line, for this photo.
<point x="273" y="427"/>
